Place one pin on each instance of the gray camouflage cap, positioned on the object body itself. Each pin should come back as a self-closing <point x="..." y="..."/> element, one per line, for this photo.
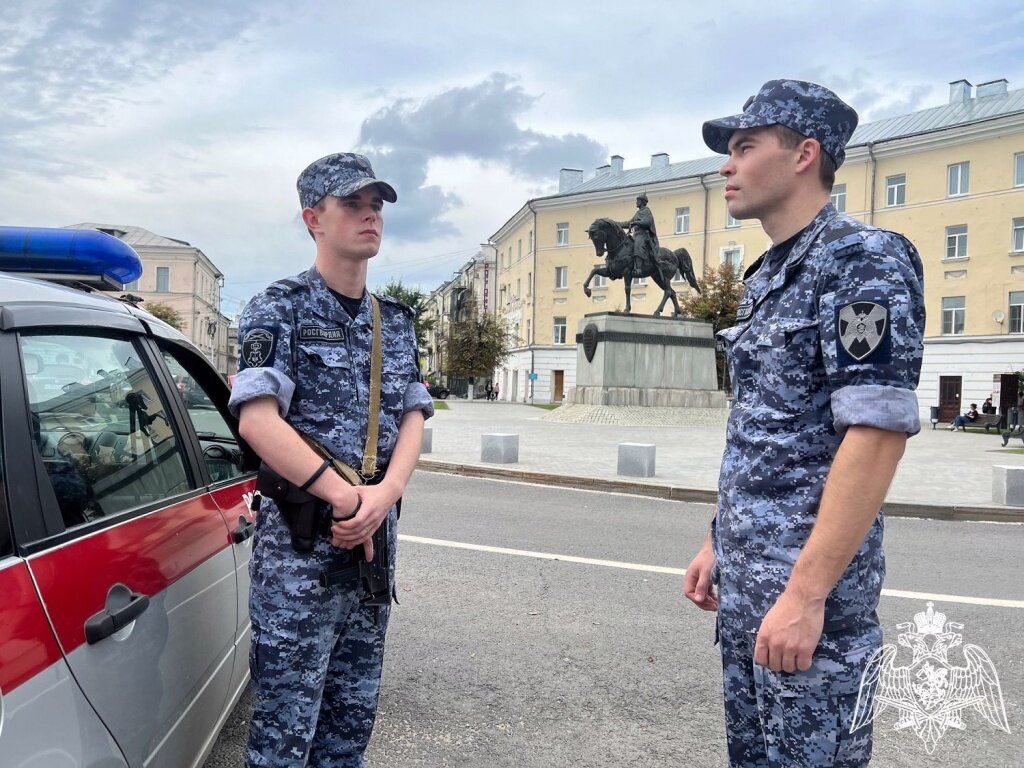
<point x="342" y="174"/>
<point x="809" y="109"/>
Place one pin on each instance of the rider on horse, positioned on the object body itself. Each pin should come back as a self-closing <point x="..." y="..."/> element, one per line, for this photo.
<point x="645" y="236"/>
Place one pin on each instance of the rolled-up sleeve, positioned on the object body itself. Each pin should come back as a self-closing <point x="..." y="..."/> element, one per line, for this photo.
<point x="871" y="321"/>
<point x="415" y="397"/>
<point x="265" y="360"/>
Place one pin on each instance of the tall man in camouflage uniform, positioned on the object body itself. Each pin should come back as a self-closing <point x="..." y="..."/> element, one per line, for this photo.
<point x="304" y="368"/>
<point x="645" y="235"/>
<point x="824" y="359"/>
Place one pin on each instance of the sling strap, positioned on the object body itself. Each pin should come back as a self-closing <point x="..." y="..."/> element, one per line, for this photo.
<point x="368" y="471"/>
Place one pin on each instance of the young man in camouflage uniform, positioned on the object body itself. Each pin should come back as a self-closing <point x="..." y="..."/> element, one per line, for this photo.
<point x="824" y="359"/>
<point x="304" y="368"/>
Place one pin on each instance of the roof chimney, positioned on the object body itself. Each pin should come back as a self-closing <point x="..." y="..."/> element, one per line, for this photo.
<point x="569" y="178"/>
<point x="617" y="161"/>
<point x="959" y="92"/>
<point x="659" y="160"/>
<point x="992" y="88"/>
<point x="601" y="170"/>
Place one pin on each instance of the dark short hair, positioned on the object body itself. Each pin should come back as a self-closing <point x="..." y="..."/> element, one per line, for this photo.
<point x="790" y="139"/>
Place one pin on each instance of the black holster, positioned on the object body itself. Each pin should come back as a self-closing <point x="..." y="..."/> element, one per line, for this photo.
<point x="302" y="511"/>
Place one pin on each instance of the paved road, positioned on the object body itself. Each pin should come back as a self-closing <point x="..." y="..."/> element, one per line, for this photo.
<point x="505" y="658"/>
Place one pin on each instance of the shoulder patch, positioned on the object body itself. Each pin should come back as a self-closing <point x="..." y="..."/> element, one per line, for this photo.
<point x="385" y="299"/>
<point x="257" y="347"/>
<point x="862" y="332"/>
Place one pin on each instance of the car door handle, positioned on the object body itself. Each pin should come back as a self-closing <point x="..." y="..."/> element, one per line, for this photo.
<point x="123" y="607"/>
<point x="244" y="530"/>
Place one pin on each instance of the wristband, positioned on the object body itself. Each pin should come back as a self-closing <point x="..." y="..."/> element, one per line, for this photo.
<point x="353" y="513"/>
<point x="316" y="475"/>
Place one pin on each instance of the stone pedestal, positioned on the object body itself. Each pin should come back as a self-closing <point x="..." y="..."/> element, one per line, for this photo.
<point x="499" y="448"/>
<point x="642" y="360"/>
<point x="636" y="459"/>
<point x="1008" y="486"/>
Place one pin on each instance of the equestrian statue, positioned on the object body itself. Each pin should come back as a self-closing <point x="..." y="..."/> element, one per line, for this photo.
<point x="638" y="254"/>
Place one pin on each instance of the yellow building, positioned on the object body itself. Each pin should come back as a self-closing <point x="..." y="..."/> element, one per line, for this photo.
<point x="951" y="178"/>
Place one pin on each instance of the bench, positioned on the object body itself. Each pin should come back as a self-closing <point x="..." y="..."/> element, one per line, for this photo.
<point x="985" y="420"/>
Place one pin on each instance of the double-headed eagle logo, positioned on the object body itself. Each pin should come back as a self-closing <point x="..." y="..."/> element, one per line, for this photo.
<point x="930" y="695"/>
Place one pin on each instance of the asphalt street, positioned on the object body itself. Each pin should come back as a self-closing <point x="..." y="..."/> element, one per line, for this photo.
<point x="546" y="627"/>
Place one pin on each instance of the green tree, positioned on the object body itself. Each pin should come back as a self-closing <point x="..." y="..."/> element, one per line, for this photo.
<point x="721" y="291"/>
<point x="475" y="347"/>
<point x="415" y="300"/>
<point x="164" y="312"/>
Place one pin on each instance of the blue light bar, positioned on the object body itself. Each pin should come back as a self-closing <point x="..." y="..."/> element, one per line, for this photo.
<point x="69" y="255"/>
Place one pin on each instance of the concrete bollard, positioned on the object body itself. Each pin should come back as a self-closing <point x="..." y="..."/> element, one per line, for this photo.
<point x="636" y="459"/>
<point x="428" y="440"/>
<point x="499" y="448"/>
<point x="1008" y="486"/>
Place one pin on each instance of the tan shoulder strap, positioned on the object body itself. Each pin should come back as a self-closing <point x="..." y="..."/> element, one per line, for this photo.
<point x="373" y="425"/>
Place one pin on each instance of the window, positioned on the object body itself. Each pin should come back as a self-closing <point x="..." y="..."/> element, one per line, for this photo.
<point x="959" y="176"/>
<point x="1018" y="169"/>
<point x="1018" y="235"/>
<point x="839" y="197"/>
<point x="530" y="250"/>
<point x="1016" y="312"/>
<point x="562" y="234"/>
<point x="103" y="436"/>
<point x="519" y="287"/>
<point x="682" y="220"/>
<point x="952" y="315"/>
<point x="561" y="277"/>
<point x="163" y="279"/>
<point x="528" y="341"/>
<point x="600" y="281"/>
<point x="956" y="242"/>
<point x="519" y="248"/>
<point x="730" y="221"/>
<point x="529" y="283"/>
<point x="558" y="331"/>
<point x="220" y="446"/>
<point x="639" y="281"/>
<point x="132" y="286"/>
<point x="896" y="190"/>
<point x="733" y="256"/>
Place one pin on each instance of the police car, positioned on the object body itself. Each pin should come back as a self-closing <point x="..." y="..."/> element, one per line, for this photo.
<point x="124" y="528"/>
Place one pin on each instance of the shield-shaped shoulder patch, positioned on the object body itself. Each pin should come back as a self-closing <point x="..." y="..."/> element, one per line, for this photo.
<point x="863" y="328"/>
<point x="257" y="347"/>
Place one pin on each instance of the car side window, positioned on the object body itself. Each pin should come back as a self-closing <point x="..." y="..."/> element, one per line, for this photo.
<point x="221" y="452"/>
<point x="99" y="425"/>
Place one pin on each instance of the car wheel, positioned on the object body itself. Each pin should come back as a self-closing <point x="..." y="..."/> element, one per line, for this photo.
<point x="443" y="394"/>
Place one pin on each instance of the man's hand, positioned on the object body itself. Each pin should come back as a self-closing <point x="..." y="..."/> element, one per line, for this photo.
<point x="789" y="633"/>
<point x="377" y="501"/>
<point x="697" y="584"/>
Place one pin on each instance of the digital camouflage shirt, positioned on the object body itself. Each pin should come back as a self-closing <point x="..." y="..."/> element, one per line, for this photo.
<point x="829" y="338"/>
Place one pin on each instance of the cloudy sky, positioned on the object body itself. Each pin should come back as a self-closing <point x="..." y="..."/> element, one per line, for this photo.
<point x="192" y="118"/>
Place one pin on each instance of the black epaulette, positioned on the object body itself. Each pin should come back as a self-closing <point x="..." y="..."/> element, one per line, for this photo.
<point x="286" y="285"/>
<point x="400" y="304"/>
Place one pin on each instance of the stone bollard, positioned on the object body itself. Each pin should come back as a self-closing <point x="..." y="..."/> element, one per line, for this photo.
<point x="1008" y="486"/>
<point x="636" y="459"/>
<point x="428" y="440"/>
<point x="499" y="448"/>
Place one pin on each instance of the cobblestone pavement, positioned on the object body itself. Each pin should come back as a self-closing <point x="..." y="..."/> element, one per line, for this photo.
<point x="940" y="468"/>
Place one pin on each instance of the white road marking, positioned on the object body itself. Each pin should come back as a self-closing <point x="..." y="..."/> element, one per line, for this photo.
<point x="967" y="600"/>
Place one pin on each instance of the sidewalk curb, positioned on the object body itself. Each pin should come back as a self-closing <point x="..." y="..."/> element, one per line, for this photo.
<point x="696" y="495"/>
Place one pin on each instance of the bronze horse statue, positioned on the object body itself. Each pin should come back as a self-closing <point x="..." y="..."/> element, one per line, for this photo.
<point x="616" y="246"/>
